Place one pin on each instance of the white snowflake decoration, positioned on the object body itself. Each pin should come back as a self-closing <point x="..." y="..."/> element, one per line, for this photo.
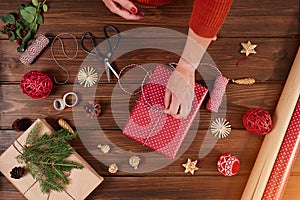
<point x="87" y="76"/>
<point x="220" y="128"/>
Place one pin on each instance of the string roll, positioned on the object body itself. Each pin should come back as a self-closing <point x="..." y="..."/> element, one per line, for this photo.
<point x="29" y="55"/>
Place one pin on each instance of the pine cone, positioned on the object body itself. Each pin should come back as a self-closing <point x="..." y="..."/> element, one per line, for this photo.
<point x="21" y="124"/>
<point x="17" y="172"/>
<point x="93" y="109"/>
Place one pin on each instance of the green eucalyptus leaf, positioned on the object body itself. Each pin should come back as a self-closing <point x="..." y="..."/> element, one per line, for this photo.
<point x="35" y="2"/>
<point x="45" y="8"/>
<point x="4" y="31"/>
<point x="19" y="32"/>
<point x="21" y="48"/>
<point x="31" y="10"/>
<point x="39" y="19"/>
<point x="27" y="37"/>
<point x="12" y="37"/>
<point x="8" y="19"/>
<point x="27" y="16"/>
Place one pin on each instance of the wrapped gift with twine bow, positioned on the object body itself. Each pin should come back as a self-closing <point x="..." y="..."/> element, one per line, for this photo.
<point x="81" y="181"/>
<point x="149" y="125"/>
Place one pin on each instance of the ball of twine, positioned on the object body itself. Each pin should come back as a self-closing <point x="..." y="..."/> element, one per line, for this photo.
<point x="36" y="84"/>
<point x="257" y="121"/>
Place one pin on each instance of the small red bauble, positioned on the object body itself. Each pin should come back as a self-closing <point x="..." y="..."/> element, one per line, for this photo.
<point x="36" y="84"/>
<point x="257" y="121"/>
<point x="228" y="164"/>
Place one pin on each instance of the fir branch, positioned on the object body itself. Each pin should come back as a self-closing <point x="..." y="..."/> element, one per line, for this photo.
<point x="33" y="133"/>
<point x="45" y="157"/>
<point x="62" y="134"/>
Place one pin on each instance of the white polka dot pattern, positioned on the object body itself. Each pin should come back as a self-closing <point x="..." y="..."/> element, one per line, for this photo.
<point x="285" y="159"/>
<point x="156" y="129"/>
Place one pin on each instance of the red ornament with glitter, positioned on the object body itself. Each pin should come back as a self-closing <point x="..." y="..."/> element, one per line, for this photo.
<point x="257" y="121"/>
<point x="228" y="164"/>
<point x="36" y="84"/>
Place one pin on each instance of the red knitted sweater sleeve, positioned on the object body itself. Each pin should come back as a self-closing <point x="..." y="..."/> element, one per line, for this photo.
<point x="208" y="16"/>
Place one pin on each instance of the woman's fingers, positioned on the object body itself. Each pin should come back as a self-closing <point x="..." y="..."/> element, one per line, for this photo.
<point x="124" y="8"/>
<point x="174" y="106"/>
<point x="167" y="99"/>
<point x="128" y="5"/>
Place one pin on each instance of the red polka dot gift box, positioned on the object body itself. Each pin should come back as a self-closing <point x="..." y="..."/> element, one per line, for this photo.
<point x="150" y="126"/>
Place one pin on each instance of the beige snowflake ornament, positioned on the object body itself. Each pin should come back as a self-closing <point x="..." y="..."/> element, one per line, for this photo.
<point x="190" y="166"/>
<point x="248" y="48"/>
<point x="87" y="76"/>
<point x="220" y="128"/>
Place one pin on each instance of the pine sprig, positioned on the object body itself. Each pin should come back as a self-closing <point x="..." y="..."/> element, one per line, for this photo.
<point x="45" y="158"/>
<point x="33" y="133"/>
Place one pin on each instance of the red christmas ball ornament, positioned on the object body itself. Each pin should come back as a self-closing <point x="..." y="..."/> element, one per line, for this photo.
<point x="36" y="84"/>
<point x="228" y="164"/>
<point x="257" y="121"/>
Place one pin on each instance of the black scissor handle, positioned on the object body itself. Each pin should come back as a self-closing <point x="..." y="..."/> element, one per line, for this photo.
<point x="117" y="32"/>
<point x="92" y="39"/>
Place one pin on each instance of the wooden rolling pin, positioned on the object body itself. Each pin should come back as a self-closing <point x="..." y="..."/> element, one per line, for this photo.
<point x="272" y="142"/>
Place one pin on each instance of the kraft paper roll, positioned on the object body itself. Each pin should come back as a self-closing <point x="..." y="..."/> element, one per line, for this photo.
<point x="272" y="142"/>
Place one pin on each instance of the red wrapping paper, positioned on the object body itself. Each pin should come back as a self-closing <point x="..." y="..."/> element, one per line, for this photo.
<point x="149" y="125"/>
<point x="285" y="159"/>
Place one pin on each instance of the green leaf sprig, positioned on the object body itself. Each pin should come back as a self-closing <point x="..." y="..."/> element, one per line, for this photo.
<point x="23" y="26"/>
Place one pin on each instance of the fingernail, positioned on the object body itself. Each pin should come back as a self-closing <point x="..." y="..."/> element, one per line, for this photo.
<point x="133" y="10"/>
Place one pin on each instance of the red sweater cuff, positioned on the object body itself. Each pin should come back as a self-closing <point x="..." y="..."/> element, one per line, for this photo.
<point x="208" y="16"/>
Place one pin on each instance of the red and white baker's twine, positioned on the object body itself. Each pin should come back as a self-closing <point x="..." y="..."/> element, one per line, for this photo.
<point x="218" y="91"/>
<point x="34" y="50"/>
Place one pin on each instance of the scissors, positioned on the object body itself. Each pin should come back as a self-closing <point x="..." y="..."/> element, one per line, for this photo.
<point x="111" y="48"/>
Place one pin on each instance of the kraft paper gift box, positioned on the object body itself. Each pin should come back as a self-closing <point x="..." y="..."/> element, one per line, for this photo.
<point x="149" y="125"/>
<point x="82" y="181"/>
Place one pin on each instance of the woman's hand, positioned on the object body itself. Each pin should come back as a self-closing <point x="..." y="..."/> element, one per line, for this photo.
<point x="124" y="8"/>
<point x="179" y="93"/>
<point x="180" y="87"/>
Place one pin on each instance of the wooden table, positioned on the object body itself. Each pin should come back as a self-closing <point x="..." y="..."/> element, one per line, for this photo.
<point x="272" y="25"/>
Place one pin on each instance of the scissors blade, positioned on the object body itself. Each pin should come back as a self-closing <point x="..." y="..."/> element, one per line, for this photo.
<point x="109" y="67"/>
<point x="107" y="72"/>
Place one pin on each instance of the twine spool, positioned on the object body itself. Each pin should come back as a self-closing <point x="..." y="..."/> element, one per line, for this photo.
<point x="36" y="84"/>
<point x="217" y="94"/>
<point x="34" y="50"/>
<point x="257" y="121"/>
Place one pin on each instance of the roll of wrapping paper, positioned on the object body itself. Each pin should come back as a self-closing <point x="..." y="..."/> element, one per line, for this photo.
<point x="285" y="159"/>
<point x="267" y="155"/>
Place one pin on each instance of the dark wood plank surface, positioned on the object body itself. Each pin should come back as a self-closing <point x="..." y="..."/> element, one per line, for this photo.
<point x="273" y="25"/>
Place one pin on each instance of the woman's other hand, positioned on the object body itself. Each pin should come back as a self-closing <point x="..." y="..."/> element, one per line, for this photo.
<point x="124" y="8"/>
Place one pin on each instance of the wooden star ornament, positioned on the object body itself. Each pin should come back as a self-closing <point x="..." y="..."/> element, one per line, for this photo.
<point x="248" y="48"/>
<point x="190" y="166"/>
